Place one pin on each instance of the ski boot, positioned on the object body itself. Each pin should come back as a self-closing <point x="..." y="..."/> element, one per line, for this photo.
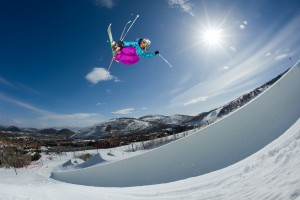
<point x="115" y="47"/>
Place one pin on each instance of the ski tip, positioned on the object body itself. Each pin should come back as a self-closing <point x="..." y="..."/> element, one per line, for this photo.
<point x="108" y="76"/>
<point x="137" y="15"/>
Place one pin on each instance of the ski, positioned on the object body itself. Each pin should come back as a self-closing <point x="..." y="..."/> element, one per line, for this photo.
<point x="110" y="37"/>
<point x="112" y="49"/>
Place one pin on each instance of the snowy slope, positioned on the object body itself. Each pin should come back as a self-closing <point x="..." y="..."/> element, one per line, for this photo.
<point x="219" y="145"/>
<point x="271" y="173"/>
<point x="174" y="119"/>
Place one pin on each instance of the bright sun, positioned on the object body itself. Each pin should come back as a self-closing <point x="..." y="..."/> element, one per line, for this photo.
<point x="212" y="37"/>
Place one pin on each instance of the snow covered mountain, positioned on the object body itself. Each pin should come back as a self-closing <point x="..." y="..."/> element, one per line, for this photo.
<point x="174" y="119"/>
<point x="175" y="123"/>
<point x="123" y="126"/>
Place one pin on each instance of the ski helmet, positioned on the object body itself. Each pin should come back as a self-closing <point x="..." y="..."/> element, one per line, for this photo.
<point x="147" y="41"/>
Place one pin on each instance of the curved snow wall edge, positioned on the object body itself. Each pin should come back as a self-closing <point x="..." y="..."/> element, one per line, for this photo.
<point x="219" y="145"/>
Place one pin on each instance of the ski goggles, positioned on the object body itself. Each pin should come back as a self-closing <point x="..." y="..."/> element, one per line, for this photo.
<point x="145" y="43"/>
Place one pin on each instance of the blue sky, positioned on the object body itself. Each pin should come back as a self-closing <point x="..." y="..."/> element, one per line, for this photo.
<point x="54" y="56"/>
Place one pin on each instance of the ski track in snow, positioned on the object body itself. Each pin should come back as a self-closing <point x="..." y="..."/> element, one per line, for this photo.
<point x="271" y="173"/>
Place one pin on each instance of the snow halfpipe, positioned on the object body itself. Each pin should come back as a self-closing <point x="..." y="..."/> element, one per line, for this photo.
<point x="219" y="145"/>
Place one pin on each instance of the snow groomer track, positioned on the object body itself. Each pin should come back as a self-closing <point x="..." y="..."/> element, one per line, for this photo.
<point x="219" y="145"/>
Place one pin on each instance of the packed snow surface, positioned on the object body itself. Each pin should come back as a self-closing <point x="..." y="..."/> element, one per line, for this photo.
<point x="271" y="173"/>
<point x="217" y="146"/>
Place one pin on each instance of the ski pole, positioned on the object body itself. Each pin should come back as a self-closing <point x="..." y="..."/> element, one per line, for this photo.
<point x="165" y="60"/>
<point x="124" y="29"/>
<point x="129" y="27"/>
<point x="110" y="64"/>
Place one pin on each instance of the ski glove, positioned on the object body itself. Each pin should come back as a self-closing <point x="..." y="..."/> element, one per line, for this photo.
<point x="120" y="43"/>
<point x="156" y="52"/>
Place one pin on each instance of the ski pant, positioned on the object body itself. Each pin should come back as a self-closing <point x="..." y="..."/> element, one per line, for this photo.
<point x="127" y="56"/>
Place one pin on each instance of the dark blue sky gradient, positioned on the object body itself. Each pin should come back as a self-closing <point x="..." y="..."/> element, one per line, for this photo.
<point x="47" y="48"/>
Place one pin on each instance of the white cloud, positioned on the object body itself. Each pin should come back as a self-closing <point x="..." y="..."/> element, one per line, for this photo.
<point x="232" y="48"/>
<point x="184" y="5"/>
<point x="268" y="54"/>
<point x="22" y="104"/>
<point x="124" y="111"/>
<point x="6" y="83"/>
<point x="100" y="74"/>
<point x="105" y="3"/>
<point x="18" y="86"/>
<point x="281" y="57"/>
<point x="196" y="100"/>
<point x="180" y="84"/>
<point x="44" y="118"/>
<point x="68" y="120"/>
<point x="29" y="89"/>
<point x="70" y="116"/>
<point x="243" y="25"/>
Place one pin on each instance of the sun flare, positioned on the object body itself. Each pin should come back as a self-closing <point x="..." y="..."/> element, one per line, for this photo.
<point x="212" y="37"/>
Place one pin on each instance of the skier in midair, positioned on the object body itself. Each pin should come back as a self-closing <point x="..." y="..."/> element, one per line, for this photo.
<point x="129" y="53"/>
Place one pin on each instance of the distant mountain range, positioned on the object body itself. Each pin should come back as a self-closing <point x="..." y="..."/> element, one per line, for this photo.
<point x="35" y="132"/>
<point x="149" y="124"/>
<point x="168" y="124"/>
